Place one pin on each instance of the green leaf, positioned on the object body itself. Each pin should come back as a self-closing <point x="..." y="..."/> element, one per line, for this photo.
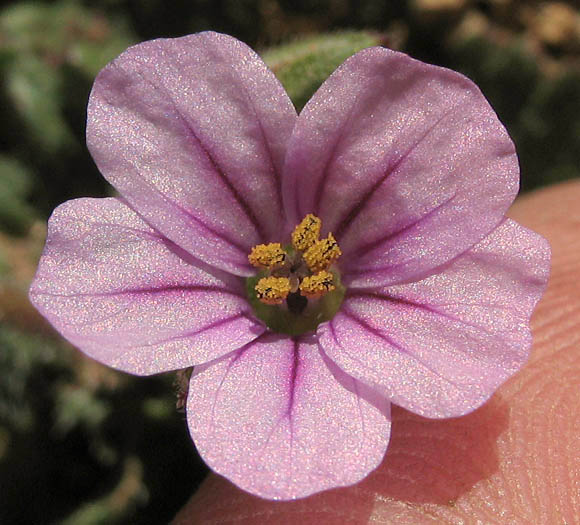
<point x="303" y="65"/>
<point x="34" y="89"/>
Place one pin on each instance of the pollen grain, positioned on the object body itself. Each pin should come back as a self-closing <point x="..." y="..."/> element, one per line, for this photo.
<point x="322" y="254"/>
<point x="267" y="255"/>
<point x="306" y="233"/>
<point x="303" y="267"/>
<point x="317" y="285"/>
<point x="273" y="290"/>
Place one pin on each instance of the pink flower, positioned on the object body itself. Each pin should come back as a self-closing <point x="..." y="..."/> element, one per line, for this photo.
<point x="405" y="163"/>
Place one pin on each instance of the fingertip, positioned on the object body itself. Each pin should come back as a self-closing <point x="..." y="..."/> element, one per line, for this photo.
<point x="516" y="457"/>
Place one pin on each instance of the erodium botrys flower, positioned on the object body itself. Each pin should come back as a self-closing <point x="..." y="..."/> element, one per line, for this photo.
<point x="313" y="269"/>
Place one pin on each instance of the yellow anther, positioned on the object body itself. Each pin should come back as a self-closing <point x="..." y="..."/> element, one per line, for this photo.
<point x="272" y="290"/>
<point x="322" y="254"/>
<point x="317" y="285"/>
<point x="267" y="255"/>
<point x="306" y="233"/>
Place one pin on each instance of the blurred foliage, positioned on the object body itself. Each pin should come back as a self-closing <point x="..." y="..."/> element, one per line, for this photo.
<point x="49" y="56"/>
<point x="301" y="66"/>
<point x="82" y="444"/>
<point x="16" y="182"/>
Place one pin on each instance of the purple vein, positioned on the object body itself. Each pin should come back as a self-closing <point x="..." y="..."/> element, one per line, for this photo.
<point x="193" y="218"/>
<point x="166" y="199"/>
<point x="277" y="177"/>
<point x="287" y="413"/>
<point x="351" y="215"/>
<point x="137" y="291"/>
<point x="267" y="147"/>
<point x="154" y="235"/>
<point x="366" y="248"/>
<point x="421" y="306"/>
<point x="237" y="355"/>
<point x="366" y="326"/>
<point x="339" y="344"/>
<point x="291" y="402"/>
<point x="228" y="183"/>
<point x="262" y="449"/>
<point x="87" y="324"/>
<point x="323" y="180"/>
<point x="239" y="199"/>
<point x="293" y="378"/>
<point x="192" y="333"/>
<point x="360" y="412"/>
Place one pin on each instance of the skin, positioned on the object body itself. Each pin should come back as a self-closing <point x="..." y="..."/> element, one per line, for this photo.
<point x="516" y="460"/>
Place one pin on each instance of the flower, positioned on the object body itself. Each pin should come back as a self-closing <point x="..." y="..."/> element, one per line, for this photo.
<point x="313" y="269"/>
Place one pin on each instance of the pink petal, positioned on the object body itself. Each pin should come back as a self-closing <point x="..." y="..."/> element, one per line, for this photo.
<point x="275" y="420"/>
<point x="192" y="131"/>
<point x="129" y="298"/>
<point x="406" y="163"/>
<point x="441" y="346"/>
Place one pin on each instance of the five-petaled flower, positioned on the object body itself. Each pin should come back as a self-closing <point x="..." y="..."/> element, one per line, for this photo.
<point x="404" y="283"/>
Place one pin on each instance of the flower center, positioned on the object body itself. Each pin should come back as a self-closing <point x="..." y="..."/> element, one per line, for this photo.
<point x="298" y="286"/>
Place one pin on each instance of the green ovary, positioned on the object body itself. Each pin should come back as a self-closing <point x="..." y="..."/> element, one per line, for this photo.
<point x="281" y="318"/>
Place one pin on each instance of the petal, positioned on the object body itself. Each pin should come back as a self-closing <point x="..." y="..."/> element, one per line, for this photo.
<point x="440" y="347"/>
<point x="274" y="419"/>
<point x="192" y="131"/>
<point x="129" y="298"/>
<point x="406" y="163"/>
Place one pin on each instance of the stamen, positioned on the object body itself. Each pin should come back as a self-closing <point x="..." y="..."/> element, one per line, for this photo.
<point x="296" y="274"/>
<point x="322" y="254"/>
<point x="267" y="255"/>
<point x="306" y="233"/>
<point x="317" y="285"/>
<point x="272" y="290"/>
